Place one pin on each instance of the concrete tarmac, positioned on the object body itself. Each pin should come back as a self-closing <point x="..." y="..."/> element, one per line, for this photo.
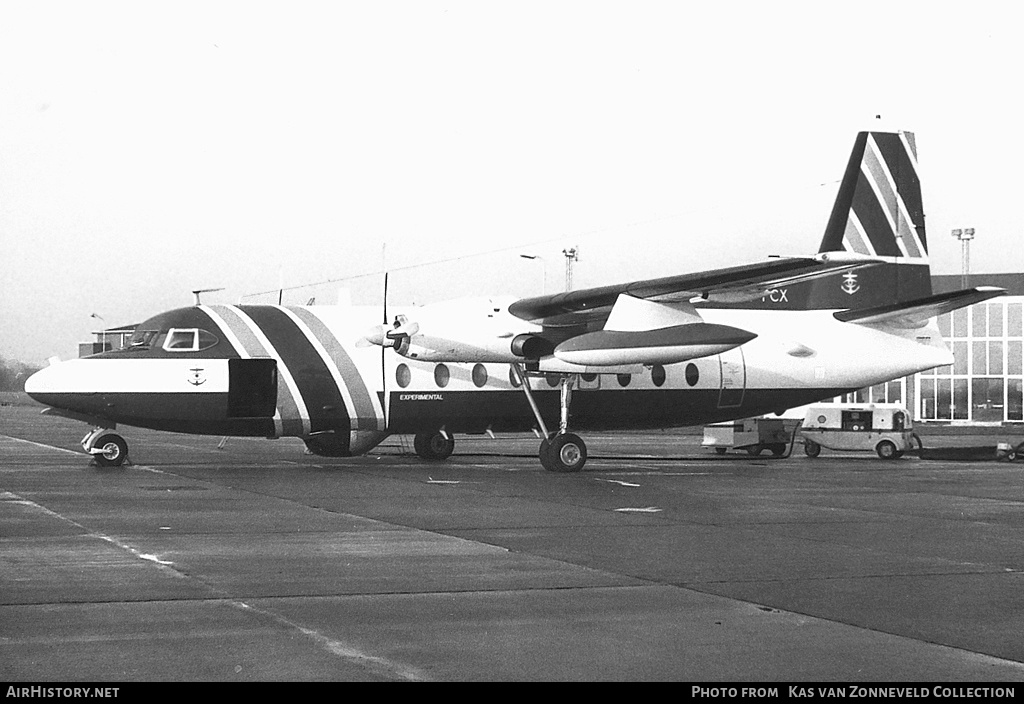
<point x="660" y="561"/>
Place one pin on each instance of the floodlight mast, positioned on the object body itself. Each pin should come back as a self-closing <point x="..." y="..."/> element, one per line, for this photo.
<point x="965" y="236"/>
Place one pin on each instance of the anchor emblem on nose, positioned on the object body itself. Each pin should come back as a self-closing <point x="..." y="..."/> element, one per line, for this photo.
<point x="197" y="377"/>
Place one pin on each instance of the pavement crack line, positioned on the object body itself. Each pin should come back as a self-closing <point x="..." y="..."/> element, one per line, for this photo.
<point x="381" y="666"/>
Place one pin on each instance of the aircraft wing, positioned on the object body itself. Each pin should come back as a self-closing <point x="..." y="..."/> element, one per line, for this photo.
<point x="746" y="282"/>
<point x="914" y="314"/>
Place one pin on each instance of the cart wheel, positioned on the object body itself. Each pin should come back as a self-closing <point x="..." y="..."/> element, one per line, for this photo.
<point x="811" y="448"/>
<point x="778" y="449"/>
<point x="754" y="450"/>
<point x="886" y="450"/>
<point x="720" y="450"/>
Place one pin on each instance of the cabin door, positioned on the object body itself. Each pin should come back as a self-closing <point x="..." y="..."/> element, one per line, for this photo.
<point x="733" y="379"/>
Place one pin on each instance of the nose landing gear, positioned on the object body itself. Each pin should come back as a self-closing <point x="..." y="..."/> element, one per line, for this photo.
<point x="107" y="448"/>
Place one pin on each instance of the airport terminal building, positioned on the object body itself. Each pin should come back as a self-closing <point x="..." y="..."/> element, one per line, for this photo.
<point x="986" y="383"/>
<point x="984" y="386"/>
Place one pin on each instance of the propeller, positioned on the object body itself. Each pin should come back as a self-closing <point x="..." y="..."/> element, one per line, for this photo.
<point x="395" y="333"/>
<point x="400" y="333"/>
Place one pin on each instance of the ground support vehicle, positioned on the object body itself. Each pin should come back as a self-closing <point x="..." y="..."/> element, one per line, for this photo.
<point x="885" y="428"/>
<point x="755" y="435"/>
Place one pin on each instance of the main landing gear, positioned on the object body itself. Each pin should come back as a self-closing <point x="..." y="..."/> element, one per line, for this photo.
<point x="108" y="448"/>
<point x="437" y="445"/>
<point x="563" y="451"/>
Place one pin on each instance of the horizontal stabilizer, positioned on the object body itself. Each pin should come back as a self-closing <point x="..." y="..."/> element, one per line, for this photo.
<point x="915" y="314"/>
<point x="663" y="346"/>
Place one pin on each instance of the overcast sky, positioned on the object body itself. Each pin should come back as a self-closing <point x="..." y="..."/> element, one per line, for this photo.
<point x="148" y="149"/>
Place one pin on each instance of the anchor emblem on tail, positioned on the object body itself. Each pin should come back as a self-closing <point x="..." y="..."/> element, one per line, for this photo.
<point x="850" y="285"/>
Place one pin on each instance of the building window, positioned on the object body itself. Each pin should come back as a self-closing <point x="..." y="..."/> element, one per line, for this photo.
<point x="927" y="399"/>
<point x="960" y="322"/>
<point x="978" y="321"/>
<point x="995" y="357"/>
<point x="894" y="391"/>
<point x="979" y="361"/>
<point x="1013" y="320"/>
<point x="943" y="399"/>
<point x="995" y="319"/>
<point x="944" y="326"/>
<point x="961" y="408"/>
<point x="960" y="358"/>
<point x="1013" y="357"/>
<point x="1014" y="399"/>
<point x="987" y="400"/>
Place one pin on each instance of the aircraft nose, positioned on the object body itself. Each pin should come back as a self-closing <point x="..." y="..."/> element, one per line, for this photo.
<point x="40" y="383"/>
<point x="56" y="384"/>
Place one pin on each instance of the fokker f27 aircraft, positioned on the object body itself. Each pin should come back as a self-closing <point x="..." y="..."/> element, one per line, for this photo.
<point x="668" y="352"/>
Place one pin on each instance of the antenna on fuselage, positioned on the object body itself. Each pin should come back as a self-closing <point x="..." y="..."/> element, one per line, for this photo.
<point x="196" y="293"/>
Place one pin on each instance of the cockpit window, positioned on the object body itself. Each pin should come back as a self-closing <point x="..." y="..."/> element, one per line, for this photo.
<point x="189" y="340"/>
<point x="143" y="338"/>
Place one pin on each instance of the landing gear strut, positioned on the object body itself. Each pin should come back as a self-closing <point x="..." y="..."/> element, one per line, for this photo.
<point x="563" y="451"/>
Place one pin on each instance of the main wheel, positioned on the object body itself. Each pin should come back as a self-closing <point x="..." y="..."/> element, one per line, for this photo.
<point x="566" y="452"/>
<point x="811" y="448"/>
<point x="886" y="450"/>
<point x="433" y="446"/>
<point x="113" y="450"/>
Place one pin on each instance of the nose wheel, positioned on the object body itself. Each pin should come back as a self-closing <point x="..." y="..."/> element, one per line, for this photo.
<point x="107" y="448"/>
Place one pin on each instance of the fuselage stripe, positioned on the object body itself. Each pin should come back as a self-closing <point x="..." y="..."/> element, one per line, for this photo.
<point x="323" y="400"/>
<point x="294" y="419"/>
<point x="364" y="409"/>
<point x="328" y="362"/>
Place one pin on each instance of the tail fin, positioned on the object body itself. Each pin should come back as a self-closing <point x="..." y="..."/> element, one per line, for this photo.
<point x="878" y="212"/>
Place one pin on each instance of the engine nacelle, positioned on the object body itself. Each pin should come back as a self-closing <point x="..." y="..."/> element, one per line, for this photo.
<point x="466" y="330"/>
<point x="670" y="345"/>
<point x="476" y="348"/>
